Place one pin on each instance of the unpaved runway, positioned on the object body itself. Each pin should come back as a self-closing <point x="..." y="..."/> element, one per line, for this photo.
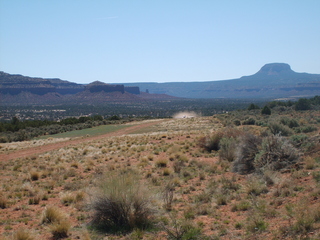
<point x="33" y="151"/>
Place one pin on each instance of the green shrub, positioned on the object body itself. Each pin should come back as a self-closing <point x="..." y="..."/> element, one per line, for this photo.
<point x="122" y="204"/>
<point x="227" y="148"/>
<point x="291" y="123"/>
<point x="299" y="140"/>
<point x="253" y="106"/>
<point x="182" y="230"/>
<point x="280" y="129"/>
<point x="276" y="153"/>
<point x="302" y="104"/>
<point x="249" y="121"/>
<point x="256" y="224"/>
<point x="306" y="129"/>
<point x="266" y="110"/>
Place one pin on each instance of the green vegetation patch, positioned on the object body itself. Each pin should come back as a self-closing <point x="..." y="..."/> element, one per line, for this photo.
<point x="95" y="131"/>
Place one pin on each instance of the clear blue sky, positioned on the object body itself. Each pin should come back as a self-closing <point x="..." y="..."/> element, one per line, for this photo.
<point x="156" y="40"/>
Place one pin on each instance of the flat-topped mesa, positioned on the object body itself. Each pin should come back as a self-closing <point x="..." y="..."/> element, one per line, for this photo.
<point x="133" y="90"/>
<point x="100" y="86"/>
<point x="275" y="69"/>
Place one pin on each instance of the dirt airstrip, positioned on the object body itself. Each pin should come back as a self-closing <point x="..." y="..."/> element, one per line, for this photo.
<point x="50" y="147"/>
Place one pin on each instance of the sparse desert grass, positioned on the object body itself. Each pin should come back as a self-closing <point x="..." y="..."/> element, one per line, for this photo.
<point x="198" y="188"/>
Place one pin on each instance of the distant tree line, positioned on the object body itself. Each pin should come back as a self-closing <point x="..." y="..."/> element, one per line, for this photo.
<point x="17" y="130"/>
<point x="300" y="105"/>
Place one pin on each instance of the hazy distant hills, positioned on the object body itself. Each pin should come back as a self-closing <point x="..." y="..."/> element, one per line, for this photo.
<point x="21" y="90"/>
<point x="274" y="80"/>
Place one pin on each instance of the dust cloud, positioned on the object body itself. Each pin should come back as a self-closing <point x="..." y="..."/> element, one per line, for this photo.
<point x="185" y="115"/>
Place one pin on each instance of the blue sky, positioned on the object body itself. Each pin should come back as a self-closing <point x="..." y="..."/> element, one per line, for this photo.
<point x="118" y="41"/>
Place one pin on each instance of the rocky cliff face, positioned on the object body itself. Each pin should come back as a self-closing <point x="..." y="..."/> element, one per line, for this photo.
<point x="100" y="86"/>
<point x="16" y="84"/>
<point x="133" y="90"/>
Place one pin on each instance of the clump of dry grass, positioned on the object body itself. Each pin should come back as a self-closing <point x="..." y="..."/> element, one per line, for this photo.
<point x="3" y="201"/>
<point x="34" y="175"/>
<point x="60" y="229"/>
<point x="161" y="163"/>
<point x="23" y="234"/>
<point x="52" y="214"/>
<point x="59" y="224"/>
<point x="122" y="204"/>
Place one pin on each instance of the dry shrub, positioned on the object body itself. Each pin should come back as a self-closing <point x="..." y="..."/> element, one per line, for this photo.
<point x="255" y="186"/>
<point x="276" y="153"/>
<point x="122" y="204"/>
<point x="212" y="143"/>
<point x="3" y="201"/>
<point x="227" y="148"/>
<point x="22" y="234"/>
<point x="60" y="229"/>
<point x="304" y="217"/>
<point x="34" y="175"/>
<point x="68" y="198"/>
<point x="162" y="163"/>
<point x="52" y="214"/>
<point x="246" y="151"/>
<point x="259" y="154"/>
<point x="59" y="224"/>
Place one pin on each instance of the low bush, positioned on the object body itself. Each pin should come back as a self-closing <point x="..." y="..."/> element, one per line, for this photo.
<point x="227" y="146"/>
<point x="122" y="204"/>
<point x="259" y="154"/>
<point x="211" y="143"/>
<point x="276" y="153"/>
<point x="245" y="154"/>
<point x="306" y="129"/>
<point x="280" y="129"/>
<point x="291" y="123"/>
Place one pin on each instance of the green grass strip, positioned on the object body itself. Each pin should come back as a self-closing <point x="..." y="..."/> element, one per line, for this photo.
<point x="95" y="131"/>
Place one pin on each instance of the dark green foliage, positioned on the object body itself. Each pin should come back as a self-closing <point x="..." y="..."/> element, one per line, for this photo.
<point x="290" y="122"/>
<point x="249" y="121"/>
<point x="303" y="104"/>
<point x="114" y="118"/>
<point x="237" y="122"/>
<point x="266" y="110"/>
<point x="299" y="140"/>
<point x="253" y="106"/>
<point x="306" y="129"/>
